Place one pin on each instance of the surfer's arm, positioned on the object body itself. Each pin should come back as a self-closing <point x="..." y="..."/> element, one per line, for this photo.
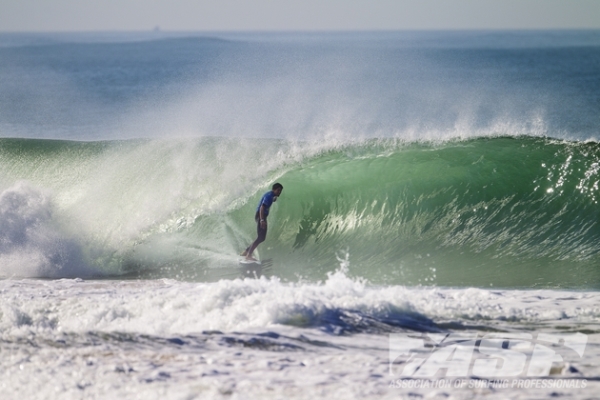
<point x="261" y="216"/>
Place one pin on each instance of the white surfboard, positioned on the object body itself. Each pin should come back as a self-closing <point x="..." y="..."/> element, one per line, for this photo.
<point x="243" y="261"/>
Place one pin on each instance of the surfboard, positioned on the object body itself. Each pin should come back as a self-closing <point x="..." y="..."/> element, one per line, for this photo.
<point x="245" y="262"/>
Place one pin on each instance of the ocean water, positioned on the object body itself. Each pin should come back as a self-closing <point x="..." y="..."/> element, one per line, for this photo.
<point x="437" y="237"/>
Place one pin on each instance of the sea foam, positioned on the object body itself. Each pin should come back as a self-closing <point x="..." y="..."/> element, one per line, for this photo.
<point x="31" y="244"/>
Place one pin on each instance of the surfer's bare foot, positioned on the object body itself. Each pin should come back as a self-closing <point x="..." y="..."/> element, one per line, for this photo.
<point x="244" y="253"/>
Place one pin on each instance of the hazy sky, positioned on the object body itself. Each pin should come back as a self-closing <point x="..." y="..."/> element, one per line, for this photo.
<point x="203" y="15"/>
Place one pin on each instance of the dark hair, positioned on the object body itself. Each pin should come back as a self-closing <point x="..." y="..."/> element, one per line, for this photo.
<point x="277" y="186"/>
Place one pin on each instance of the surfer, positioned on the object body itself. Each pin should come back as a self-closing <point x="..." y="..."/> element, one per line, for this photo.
<point x="262" y="211"/>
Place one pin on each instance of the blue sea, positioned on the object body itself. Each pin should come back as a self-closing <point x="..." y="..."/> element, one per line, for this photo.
<point x="441" y="190"/>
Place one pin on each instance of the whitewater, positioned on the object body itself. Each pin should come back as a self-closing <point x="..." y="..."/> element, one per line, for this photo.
<point x="437" y="236"/>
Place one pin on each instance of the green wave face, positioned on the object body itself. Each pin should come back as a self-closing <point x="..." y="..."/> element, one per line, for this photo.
<point x="487" y="212"/>
<point x="510" y="212"/>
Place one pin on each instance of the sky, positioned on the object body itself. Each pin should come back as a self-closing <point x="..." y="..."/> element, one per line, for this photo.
<point x="295" y="15"/>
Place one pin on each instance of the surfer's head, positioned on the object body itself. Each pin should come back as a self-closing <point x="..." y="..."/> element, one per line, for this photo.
<point x="277" y="188"/>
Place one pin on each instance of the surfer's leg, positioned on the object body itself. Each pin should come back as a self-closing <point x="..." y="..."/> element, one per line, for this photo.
<point x="261" y="236"/>
<point x="250" y="249"/>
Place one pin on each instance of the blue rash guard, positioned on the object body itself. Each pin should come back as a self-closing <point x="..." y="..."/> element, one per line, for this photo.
<point x="267" y="201"/>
